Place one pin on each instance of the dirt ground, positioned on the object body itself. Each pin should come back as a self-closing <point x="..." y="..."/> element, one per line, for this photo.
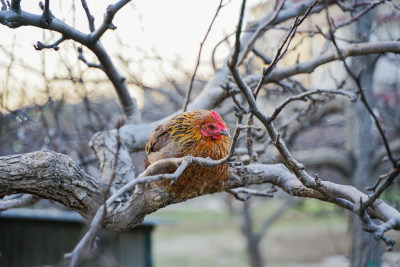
<point x="203" y="232"/>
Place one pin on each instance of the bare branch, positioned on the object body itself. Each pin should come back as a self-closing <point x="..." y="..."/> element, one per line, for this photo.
<point x="323" y="187"/>
<point x="45" y="171"/>
<point x="303" y="97"/>
<point x="98" y="218"/>
<point x="83" y="59"/>
<point x="39" y="45"/>
<point x="357" y="16"/>
<point x="53" y="176"/>
<point x="248" y="193"/>
<point x="364" y="100"/>
<point x="47" y="16"/>
<point x="388" y="180"/>
<point x="297" y="168"/>
<point x="14" y="19"/>
<point x="189" y="90"/>
<point x="88" y="15"/>
<point x="279" y="54"/>
<point x="17" y="201"/>
<point x="95" y="225"/>
<point x="309" y="66"/>
<point x="107" y="22"/>
<point x="257" y="33"/>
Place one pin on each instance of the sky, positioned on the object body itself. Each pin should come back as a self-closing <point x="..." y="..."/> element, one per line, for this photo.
<point x="170" y="29"/>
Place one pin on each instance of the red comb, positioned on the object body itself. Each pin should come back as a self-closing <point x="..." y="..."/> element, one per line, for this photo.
<point x="217" y="118"/>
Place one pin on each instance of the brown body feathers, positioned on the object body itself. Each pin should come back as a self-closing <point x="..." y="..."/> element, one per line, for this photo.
<point x="200" y="133"/>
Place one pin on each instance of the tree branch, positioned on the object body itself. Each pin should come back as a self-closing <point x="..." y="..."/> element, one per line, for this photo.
<point x="39" y="45"/>
<point x="88" y="15"/>
<point x="107" y="22"/>
<point x="52" y="176"/>
<point x="309" y="66"/>
<point x="303" y="97"/>
<point x="55" y="176"/>
<point x="326" y="189"/>
<point x="17" y="201"/>
<point x="15" y="19"/>
<point x="262" y="27"/>
<point x="189" y="90"/>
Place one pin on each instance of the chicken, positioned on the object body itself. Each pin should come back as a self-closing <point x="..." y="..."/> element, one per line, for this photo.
<point x="200" y="133"/>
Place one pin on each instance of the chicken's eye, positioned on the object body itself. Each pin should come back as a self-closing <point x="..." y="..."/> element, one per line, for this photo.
<point x="212" y="127"/>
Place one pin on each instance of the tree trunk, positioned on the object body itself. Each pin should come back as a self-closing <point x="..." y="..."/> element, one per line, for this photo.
<point x="365" y="250"/>
<point x="252" y="240"/>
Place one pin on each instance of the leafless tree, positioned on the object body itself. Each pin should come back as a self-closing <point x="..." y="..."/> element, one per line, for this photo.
<point x="267" y="132"/>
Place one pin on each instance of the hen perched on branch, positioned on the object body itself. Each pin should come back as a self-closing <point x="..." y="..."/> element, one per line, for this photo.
<point x="200" y="133"/>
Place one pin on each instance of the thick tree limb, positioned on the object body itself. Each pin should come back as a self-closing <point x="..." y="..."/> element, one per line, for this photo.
<point x="105" y="147"/>
<point x="55" y="176"/>
<point x="50" y="175"/>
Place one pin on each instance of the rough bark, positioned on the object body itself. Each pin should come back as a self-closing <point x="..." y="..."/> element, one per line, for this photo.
<point x="52" y="176"/>
<point x="55" y="176"/>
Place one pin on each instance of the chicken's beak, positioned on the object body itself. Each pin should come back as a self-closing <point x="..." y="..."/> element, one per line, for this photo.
<point x="225" y="132"/>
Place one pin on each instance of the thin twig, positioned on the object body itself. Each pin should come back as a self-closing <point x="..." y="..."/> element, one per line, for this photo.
<point x="244" y="110"/>
<point x="89" y="16"/>
<point x="225" y="39"/>
<point x="363" y="205"/>
<point x="258" y="32"/>
<point x="357" y="16"/>
<point x="249" y="139"/>
<point x="286" y="42"/>
<point x="239" y="116"/>
<point x="107" y="22"/>
<point x="189" y="90"/>
<point x="389" y="178"/>
<point x="89" y="64"/>
<point x="377" y="230"/>
<point x="363" y="98"/>
<point x="39" y="45"/>
<point x="303" y="97"/>
<point x="293" y="165"/>
<point x="248" y="193"/>
<point x="145" y="177"/>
